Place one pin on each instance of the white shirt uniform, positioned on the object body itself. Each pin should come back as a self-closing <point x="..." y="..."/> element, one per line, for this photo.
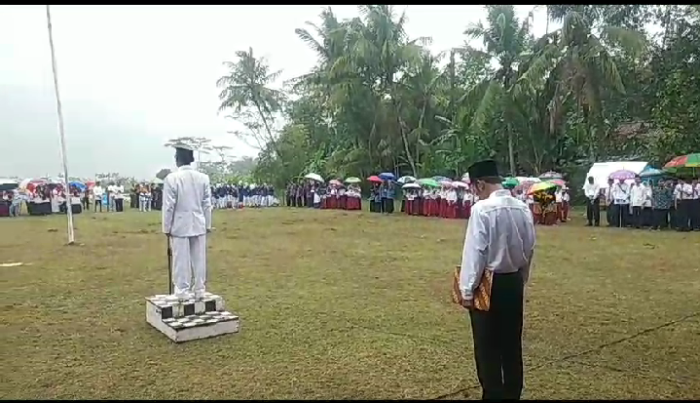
<point x="97" y="192"/>
<point x="118" y="192"/>
<point x="620" y="193"/>
<point x="500" y="237"/>
<point x="187" y="217"/>
<point x="687" y="192"/>
<point x="591" y="190"/>
<point x="638" y="195"/>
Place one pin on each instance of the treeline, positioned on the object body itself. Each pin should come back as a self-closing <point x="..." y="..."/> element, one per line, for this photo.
<point x="600" y="87"/>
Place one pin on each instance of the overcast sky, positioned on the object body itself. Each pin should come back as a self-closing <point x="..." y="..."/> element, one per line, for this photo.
<point x="131" y="77"/>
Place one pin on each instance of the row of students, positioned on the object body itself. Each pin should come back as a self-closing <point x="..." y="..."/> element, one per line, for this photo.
<point x="666" y="203"/>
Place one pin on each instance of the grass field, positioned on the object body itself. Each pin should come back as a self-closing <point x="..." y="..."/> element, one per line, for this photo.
<point x="340" y="305"/>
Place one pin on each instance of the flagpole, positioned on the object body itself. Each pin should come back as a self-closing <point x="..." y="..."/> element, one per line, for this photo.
<point x="61" y="132"/>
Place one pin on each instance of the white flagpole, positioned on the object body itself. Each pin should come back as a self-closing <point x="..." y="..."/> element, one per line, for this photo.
<point x="62" y="136"/>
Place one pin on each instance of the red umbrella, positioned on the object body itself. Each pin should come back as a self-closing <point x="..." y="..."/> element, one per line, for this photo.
<point x="375" y="178"/>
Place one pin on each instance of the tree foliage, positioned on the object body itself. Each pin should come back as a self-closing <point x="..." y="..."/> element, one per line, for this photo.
<point x="599" y="87"/>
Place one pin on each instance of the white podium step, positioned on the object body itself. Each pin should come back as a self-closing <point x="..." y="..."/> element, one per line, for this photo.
<point x="189" y="320"/>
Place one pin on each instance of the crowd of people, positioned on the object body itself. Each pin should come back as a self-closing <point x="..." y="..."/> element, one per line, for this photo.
<point x="317" y="195"/>
<point x="228" y="196"/>
<point x="662" y="204"/>
<point x="549" y="207"/>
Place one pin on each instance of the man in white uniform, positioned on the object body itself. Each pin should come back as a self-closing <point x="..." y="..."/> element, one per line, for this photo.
<point x="186" y="221"/>
<point x="501" y="239"/>
<point x="592" y="192"/>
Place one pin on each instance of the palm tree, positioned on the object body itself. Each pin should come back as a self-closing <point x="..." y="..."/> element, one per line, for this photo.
<point x="507" y="41"/>
<point x="247" y="86"/>
<point x="587" y="63"/>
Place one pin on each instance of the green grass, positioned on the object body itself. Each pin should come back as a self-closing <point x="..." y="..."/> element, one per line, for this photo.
<point x="340" y="305"/>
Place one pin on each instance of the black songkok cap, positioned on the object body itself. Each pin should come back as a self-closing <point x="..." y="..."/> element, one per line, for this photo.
<point x="184" y="153"/>
<point x="483" y="169"/>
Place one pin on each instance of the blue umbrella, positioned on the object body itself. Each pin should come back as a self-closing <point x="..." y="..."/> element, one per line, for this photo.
<point x="387" y="176"/>
<point x="80" y="185"/>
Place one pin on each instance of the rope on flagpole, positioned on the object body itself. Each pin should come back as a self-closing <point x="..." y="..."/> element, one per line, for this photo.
<point x="62" y="136"/>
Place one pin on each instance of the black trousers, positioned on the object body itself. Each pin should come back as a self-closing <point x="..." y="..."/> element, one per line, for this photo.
<point x="683" y="214"/>
<point x="694" y="207"/>
<point x="98" y="202"/>
<point x="647" y="217"/>
<point x="593" y="211"/>
<point x="637" y="216"/>
<point x="498" y="339"/>
<point x="621" y="215"/>
<point x="660" y="219"/>
<point x="119" y="205"/>
<point x="387" y="205"/>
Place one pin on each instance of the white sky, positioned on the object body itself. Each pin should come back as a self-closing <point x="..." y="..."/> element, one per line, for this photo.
<point x="132" y="77"/>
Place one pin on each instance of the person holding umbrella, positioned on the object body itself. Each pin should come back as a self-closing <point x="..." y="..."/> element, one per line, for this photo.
<point x="498" y="250"/>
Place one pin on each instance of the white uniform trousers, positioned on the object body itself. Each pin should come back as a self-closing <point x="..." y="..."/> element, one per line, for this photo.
<point x="189" y="262"/>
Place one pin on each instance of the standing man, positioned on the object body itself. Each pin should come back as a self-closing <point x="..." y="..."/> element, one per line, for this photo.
<point x="118" y="195"/>
<point x="638" y="195"/>
<point x="592" y="192"/>
<point x="498" y="250"/>
<point x="186" y="221"/>
<point x="621" y="198"/>
<point x="97" y="192"/>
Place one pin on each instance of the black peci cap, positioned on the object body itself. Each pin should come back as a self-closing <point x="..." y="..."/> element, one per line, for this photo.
<point x="483" y="169"/>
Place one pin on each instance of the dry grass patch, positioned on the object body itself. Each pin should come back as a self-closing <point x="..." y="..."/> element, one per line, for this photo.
<point x="339" y="305"/>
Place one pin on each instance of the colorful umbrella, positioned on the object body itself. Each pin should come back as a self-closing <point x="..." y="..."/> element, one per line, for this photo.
<point x="90" y="184"/>
<point x="375" y="178"/>
<point x="411" y="186"/>
<point x="76" y="184"/>
<point x="541" y="186"/>
<point x="406" y="179"/>
<point x="387" y="176"/>
<point x="30" y="183"/>
<point x="8" y="184"/>
<point x="459" y="184"/>
<point x="441" y="178"/>
<point x="649" y="172"/>
<point x="447" y="183"/>
<point x="525" y="185"/>
<point x="510" y="183"/>
<point x="622" y="175"/>
<point x="429" y="182"/>
<point x="559" y="182"/>
<point x="685" y="161"/>
<point x="551" y="175"/>
<point x="314" y="177"/>
<point x="335" y="182"/>
<point x="353" y="179"/>
<point x="684" y="165"/>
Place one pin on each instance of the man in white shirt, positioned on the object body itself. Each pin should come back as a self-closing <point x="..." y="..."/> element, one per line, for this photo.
<point x="186" y="222"/>
<point x="638" y="195"/>
<point x="118" y="194"/>
<point x="621" y="200"/>
<point x="592" y="192"/>
<point x="498" y="250"/>
<point x="97" y="192"/>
